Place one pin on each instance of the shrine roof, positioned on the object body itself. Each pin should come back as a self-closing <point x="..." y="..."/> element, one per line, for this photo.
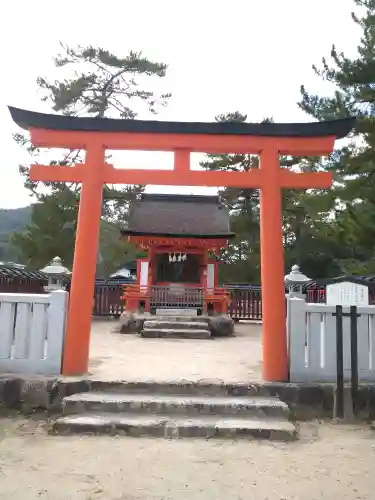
<point x="30" y="119"/>
<point x="173" y="215"/>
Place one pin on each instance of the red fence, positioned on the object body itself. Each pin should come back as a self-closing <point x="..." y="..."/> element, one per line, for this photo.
<point x="316" y="296"/>
<point x="21" y="286"/>
<point x="245" y="303"/>
<point x="108" y="299"/>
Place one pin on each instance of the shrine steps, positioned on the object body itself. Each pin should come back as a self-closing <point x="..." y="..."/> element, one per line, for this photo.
<point x="172" y="333"/>
<point x="176" y="416"/>
<point x="194" y="327"/>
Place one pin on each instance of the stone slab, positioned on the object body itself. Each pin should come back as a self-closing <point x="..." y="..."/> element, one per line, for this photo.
<point x="162" y="404"/>
<point x="190" y="319"/>
<point x="177" y="312"/>
<point x="171" y="427"/>
<point x="172" y="333"/>
<point x="176" y="325"/>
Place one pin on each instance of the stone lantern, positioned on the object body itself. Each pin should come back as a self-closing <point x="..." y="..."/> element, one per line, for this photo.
<point x="55" y="272"/>
<point x="295" y="282"/>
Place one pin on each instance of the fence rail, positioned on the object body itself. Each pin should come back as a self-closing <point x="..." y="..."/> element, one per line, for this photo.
<point x="32" y="328"/>
<point x="312" y="342"/>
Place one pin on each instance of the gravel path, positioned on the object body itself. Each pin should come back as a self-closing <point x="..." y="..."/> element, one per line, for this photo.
<point x="328" y="462"/>
<point x="129" y="357"/>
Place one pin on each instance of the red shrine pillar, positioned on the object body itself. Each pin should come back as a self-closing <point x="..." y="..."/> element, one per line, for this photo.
<point x="274" y="351"/>
<point x="77" y="340"/>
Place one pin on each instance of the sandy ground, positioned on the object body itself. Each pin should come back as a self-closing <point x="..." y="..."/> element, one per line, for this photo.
<point x="328" y="462"/>
<point x="129" y="357"/>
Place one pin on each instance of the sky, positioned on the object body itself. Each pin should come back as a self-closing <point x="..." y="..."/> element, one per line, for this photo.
<point x="244" y="55"/>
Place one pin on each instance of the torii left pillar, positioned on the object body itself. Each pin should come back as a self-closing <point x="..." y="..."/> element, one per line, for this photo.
<point x="84" y="263"/>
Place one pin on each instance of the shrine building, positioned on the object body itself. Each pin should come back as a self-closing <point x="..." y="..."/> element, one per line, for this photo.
<point x="183" y="236"/>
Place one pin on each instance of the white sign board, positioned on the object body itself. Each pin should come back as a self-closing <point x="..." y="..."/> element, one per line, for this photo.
<point x="210" y="276"/>
<point x="143" y="279"/>
<point x="347" y="294"/>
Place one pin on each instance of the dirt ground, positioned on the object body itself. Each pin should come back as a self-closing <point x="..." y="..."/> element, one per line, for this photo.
<point x="328" y="462"/>
<point x="129" y="357"/>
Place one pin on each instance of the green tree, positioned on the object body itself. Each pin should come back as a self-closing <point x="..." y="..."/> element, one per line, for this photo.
<point x="95" y="83"/>
<point x="242" y="254"/>
<point x="50" y="232"/>
<point x="308" y="235"/>
<point x="352" y="199"/>
<point x="306" y="224"/>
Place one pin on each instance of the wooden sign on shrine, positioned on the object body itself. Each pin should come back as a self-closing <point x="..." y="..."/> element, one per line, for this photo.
<point x="96" y="135"/>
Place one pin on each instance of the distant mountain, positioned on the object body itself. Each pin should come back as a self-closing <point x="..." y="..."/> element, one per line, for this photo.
<point x="11" y="220"/>
<point x="113" y="252"/>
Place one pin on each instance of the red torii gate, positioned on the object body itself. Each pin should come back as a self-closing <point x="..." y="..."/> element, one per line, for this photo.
<point x="268" y="140"/>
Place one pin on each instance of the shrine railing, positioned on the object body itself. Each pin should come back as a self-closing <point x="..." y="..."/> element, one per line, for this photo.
<point x="176" y="297"/>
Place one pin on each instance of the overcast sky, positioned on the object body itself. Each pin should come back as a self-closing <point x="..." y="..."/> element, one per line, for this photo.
<point x="245" y="55"/>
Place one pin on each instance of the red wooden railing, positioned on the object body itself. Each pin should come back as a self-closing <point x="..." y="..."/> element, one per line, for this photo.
<point x="245" y="303"/>
<point x="108" y="300"/>
<point x="175" y="296"/>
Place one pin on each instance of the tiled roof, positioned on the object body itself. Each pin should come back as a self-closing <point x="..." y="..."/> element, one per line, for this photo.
<point x="179" y="215"/>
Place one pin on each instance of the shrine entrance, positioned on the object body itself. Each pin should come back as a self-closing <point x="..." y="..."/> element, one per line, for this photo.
<point x="177" y="267"/>
<point x="183" y="236"/>
<point x="96" y="135"/>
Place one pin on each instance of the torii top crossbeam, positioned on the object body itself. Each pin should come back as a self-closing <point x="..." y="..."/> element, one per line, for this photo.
<point x="268" y="140"/>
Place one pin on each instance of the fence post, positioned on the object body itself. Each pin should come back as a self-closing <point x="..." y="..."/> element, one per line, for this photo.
<point x="354" y="355"/>
<point x="343" y="396"/>
<point x="56" y="322"/>
<point x="296" y="326"/>
<point x="339" y="400"/>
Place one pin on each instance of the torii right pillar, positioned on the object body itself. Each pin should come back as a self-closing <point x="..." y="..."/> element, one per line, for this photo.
<point x="273" y="179"/>
<point x="274" y="343"/>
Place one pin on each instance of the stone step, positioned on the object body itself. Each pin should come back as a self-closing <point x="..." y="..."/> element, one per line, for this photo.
<point x="177" y="325"/>
<point x="172" y="333"/>
<point x="172" y="427"/>
<point x="160" y="404"/>
<point x="189" y="319"/>
<point x="204" y="387"/>
<point x="176" y="311"/>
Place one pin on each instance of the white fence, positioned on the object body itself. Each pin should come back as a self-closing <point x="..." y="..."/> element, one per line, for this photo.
<point x="32" y="329"/>
<point x="312" y="342"/>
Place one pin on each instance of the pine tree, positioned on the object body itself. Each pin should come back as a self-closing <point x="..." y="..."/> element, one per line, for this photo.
<point x="94" y="83"/>
<point x="243" y="204"/>
<point x="352" y="199"/>
<point x="303" y="232"/>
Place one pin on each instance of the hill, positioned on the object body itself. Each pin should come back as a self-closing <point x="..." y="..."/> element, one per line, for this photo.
<point x="114" y="251"/>
<point x="11" y="220"/>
